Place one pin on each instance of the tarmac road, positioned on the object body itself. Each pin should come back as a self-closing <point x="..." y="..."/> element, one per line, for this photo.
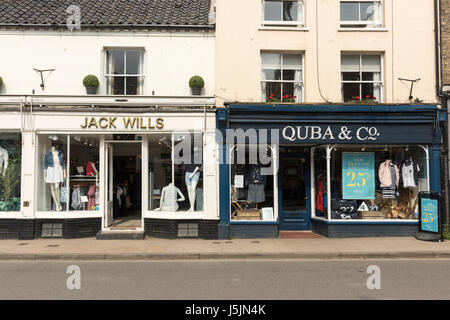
<point x="239" y="279"/>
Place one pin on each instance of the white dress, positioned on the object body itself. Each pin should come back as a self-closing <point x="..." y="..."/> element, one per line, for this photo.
<point x="55" y="173"/>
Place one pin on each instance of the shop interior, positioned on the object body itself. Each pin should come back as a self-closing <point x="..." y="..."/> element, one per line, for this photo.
<point x="127" y="185"/>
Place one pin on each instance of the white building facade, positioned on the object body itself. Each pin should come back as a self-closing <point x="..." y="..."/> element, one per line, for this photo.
<point x="137" y="157"/>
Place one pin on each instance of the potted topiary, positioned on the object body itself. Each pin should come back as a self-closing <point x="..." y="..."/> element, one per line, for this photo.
<point x="196" y="83"/>
<point x="1" y="83"/>
<point x="91" y="84"/>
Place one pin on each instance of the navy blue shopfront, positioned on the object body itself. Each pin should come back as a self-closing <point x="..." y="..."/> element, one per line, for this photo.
<point x="301" y="132"/>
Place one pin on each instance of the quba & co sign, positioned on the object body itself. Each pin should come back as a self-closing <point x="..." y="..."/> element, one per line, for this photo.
<point x="330" y="133"/>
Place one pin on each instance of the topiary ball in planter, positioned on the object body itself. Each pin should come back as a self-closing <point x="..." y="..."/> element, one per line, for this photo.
<point x="91" y="84"/>
<point x="1" y="82"/>
<point x="196" y="83"/>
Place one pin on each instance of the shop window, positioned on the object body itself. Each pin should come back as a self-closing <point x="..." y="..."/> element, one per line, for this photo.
<point x="176" y="172"/>
<point x="10" y="171"/>
<point x="252" y="184"/>
<point x="68" y="173"/>
<point x="124" y="72"/>
<point x="361" y="14"/>
<point x="361" y="78"/>
<point x="282" y="77"/>
<point x="371" y="183"/>
<point x="283" y="12"/>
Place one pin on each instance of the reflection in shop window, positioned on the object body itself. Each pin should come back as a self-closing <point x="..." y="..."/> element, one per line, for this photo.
<point x="10" y="171"/>
<point x="252" y="189"/>
<point x="68" y="173"/>
<point x="372" y="183"/>
<point x="175" y="172"/>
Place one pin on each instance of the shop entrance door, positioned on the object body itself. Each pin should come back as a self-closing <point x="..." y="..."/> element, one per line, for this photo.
<point x="123" y="189"/>
<point x="294" y="189"/>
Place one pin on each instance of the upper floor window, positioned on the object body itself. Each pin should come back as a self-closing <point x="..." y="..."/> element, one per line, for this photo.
<point x="282" y="77"/>
<point x="283" y="12"/>
<point x="361" y="14"/>
<point x="124" y="72"/>
<point x="361" y="77"/>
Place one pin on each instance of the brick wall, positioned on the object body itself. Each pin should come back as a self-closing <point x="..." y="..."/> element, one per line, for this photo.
<point x="445" y="37"/>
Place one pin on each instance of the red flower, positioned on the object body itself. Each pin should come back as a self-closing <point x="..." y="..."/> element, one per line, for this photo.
<point x="367" y="96"/>
<point x="374" y="98"/>
<point x="357" y="98"/>
<point x="295" y="97"/>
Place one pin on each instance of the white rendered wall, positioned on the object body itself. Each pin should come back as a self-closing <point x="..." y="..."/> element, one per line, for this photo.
<point x="171" y="58"/>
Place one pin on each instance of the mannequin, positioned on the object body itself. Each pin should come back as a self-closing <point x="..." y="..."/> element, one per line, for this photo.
<point x="55" y="173"/>
<point x="191" y="178"/>
<point x="168" y="194"/>
<point x="4" y="158"/>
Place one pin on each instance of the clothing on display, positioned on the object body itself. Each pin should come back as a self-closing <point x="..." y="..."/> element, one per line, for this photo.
<point x="388" y="173"/>
<point x="91" y="170"/>
<point x="63" y="197"/>
<point x="256" y="185"/>
<point x="194" y="178"/>
<point x="410" y="173"/>
<point x="321" y="187"/>
<point x="54" y="172"/>
<point x="91" y="197"/>
<point x="49" y="159"/>
<point x="76" y="199"/>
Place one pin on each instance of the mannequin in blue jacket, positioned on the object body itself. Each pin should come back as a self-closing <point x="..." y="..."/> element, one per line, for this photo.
<point x="55" y="173"/>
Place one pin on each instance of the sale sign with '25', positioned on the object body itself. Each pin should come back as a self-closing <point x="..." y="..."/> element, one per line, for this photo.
<point x="358" y="175"/>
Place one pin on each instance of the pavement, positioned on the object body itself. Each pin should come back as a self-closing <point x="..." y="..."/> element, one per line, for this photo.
<point x="197" y="249"/>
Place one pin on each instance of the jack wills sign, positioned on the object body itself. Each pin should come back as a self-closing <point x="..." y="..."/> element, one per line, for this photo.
<point x="130" y="123"/>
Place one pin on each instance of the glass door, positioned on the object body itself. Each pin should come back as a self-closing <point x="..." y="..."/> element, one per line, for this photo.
<point x="294" y="189"/>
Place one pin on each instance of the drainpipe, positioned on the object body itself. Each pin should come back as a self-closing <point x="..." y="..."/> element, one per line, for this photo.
<point x="444" y="158"/>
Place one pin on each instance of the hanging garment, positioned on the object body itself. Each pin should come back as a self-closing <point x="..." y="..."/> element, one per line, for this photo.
<point x="255" y="175"/>
<point x="91" y="197"/>
<point x="63" y="194"/>
<point x="388" y="174"/>
<point x="388" y="192"/>
<point x="256" y="193"/>
<point x="320" y="199"/>
<point x="91" y="170"/>
<point x="410" y="174"/>
<point x="97" y="196"/>
<point x="76" y="199"/>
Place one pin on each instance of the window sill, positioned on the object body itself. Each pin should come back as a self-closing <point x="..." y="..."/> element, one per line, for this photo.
<point x="340" y="29"/>
<point x="277" y="28"/>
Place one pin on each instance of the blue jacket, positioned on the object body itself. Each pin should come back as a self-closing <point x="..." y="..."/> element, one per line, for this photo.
<point x="48" y="159"/>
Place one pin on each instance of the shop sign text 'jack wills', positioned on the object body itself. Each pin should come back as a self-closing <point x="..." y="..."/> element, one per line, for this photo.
<point x="137" y="123"/>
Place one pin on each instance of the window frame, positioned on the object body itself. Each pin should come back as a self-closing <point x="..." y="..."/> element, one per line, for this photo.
<point x="298" y="23"/>
<point x="301" y="82"/>
<point x="140" y="76"/>
<point x="357" y="24"/>
<point x="360" y="82"/>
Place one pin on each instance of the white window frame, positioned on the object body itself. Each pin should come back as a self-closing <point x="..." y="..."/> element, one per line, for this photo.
<point x="360" y="82"/>
<point x="355" y="24"/>
<point x="125" y="75"/>
<point x="298" y="23"/>
<point x="301" y="82"/>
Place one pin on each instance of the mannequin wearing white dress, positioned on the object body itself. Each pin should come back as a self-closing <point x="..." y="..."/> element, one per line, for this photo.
<point x="55" y="176"/>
